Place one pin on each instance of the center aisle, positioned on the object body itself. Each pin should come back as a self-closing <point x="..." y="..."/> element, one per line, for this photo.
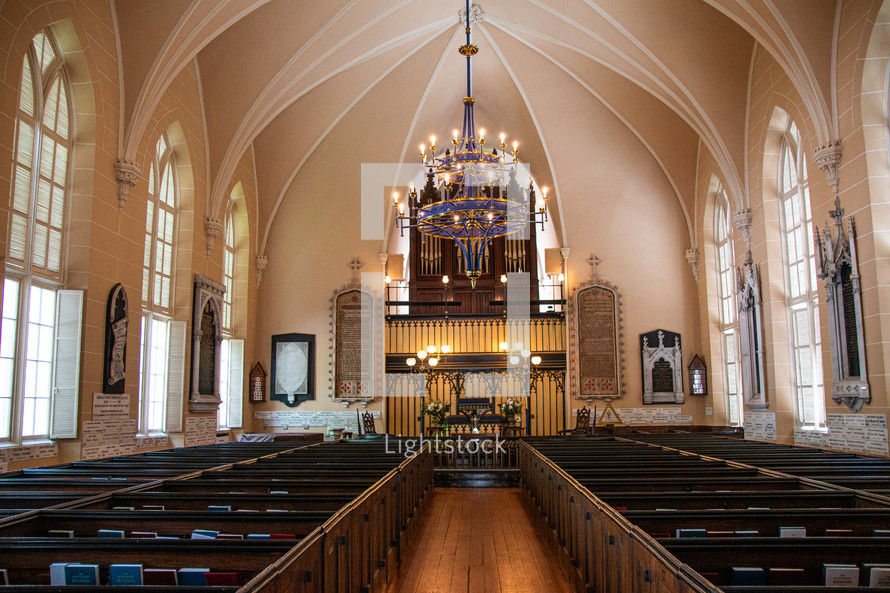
<point x="479" y="540"/>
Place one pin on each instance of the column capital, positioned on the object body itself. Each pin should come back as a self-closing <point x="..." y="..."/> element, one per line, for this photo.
<point x="260" y="263"/>
<point x="212" y="230"/>
<point x="692" y="256"/>
<point x="127" y="173"/>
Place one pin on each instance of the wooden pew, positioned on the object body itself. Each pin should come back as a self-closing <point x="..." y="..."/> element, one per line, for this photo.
<point x="364" y="518"/>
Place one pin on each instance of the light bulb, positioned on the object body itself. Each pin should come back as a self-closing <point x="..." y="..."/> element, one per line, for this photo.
<point x="433" y="361"/>
<point x="411" y="362"/>
<point x="503" y="345"/>
<point x="446" y="349"/>
<point x="401" y="209"/>
<point x="544" y="191"/>
<point x="432" y="141"/>
<point x="525" y="353"/>
<point x="536" y="360"/>
<point x="445" y="279"/>
<point x="395" y="198"/>
<point x="515" y="145"/>
<point x="503" y="278"/>
<point x="454" y="133"/>
<point x="421" y="354"/>
<point x="503" y="137"/>
<point x="518" y="346"/>
<point x="431" y="349"/>
<point x="481" y="133"/>
<point x="387" y="279"/>
<point x="514" y="359"/>
<point x="561" y="277"/>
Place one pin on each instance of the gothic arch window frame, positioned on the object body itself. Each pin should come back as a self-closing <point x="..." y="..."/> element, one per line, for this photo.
<point x="40" y="352"/>
<point x="231" y="365"/>
<point x="159" y="400"/>
<point x="727" y="307"/>
<point x="801" y="296"/>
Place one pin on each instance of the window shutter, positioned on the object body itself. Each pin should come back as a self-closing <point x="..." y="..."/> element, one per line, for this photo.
<point x="175" y="376"/>
<point x="66" y="367"/>
<point x="236" y="383"/>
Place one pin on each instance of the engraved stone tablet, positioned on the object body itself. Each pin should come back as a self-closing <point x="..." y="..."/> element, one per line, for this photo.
<point x="595" y="335"/>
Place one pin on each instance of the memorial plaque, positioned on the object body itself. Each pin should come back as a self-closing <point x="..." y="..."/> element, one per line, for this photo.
<point x="353" y="351"/>
<point x="662" y="366"/>
<point x="116" y="321"/>
<point x="662" y="376"/>
<point x="293" y="368"/>
<point x="207" y="362"/>
<point x="850" y="322"/>
<point x="597" y="330"/>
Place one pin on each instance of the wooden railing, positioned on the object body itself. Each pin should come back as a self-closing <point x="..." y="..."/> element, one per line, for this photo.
<point x="599" y="550"/>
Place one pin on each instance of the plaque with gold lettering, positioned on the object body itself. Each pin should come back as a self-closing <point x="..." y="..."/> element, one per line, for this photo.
<point x="595" y="334"/>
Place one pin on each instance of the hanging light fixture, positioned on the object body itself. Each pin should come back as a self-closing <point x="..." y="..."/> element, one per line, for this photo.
<point x="471" y="195"/>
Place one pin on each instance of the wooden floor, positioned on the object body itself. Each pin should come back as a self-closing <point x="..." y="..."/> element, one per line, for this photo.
<point x="479" y="540"/>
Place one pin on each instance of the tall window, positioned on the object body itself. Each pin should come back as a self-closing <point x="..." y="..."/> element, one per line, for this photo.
<point x="38" y="318"/>
<point x="231" y="350"/>
<point x="726" y="292"/>
<point x="157" y="288"/>
<point x="800" y="282"/>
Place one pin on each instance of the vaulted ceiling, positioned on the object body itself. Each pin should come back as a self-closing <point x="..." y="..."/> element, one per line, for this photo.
<point x="572" y="80"/>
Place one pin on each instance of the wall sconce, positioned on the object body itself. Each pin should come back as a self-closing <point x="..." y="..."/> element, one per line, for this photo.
<point x="445" y="279"/>
<point x="503" y="278"/>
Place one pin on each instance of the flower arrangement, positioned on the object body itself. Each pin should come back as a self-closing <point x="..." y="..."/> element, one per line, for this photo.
<point x="437" y="410"/>
<point x="511" y="407"/>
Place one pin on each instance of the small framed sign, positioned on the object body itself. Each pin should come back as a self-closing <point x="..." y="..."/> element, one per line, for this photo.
<point x="258" y="383"/>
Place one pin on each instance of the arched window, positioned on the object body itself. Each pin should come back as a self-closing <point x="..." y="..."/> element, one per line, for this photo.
<point x="726" y="293"/>
<point x="38" y="317"/>
<point x="801" y="299"/>
<point x="158" y="268"/>
<point x="231" y="350"/>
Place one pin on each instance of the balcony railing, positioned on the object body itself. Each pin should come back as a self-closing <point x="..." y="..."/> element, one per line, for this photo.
<point x="421" y="299"/>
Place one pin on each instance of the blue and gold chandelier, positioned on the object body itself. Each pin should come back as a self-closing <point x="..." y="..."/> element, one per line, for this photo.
<point x="471" y="196"/>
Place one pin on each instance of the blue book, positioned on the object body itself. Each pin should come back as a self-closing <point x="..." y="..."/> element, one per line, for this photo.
<point x="692" y="533"/>
<point x="57" y="573"/>
<point x="219" y="507"/>
<point x="82" y="574"/>
<point x="258" y="536"/>
<point x="113" y="533"/>
<point x="125" y="574"/>
<point x="748" y="575"/>
<point x="204" y="534"/>
<point x="193" y="577"/>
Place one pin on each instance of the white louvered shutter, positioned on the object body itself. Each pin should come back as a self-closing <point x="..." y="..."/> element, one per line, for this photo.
<point x="236" y="383"/>
<point x="66" y="367"/>
<point x="175" y="375"/>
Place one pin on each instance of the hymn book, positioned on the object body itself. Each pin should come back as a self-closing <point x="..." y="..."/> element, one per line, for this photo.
<point x="840" y="575"/>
